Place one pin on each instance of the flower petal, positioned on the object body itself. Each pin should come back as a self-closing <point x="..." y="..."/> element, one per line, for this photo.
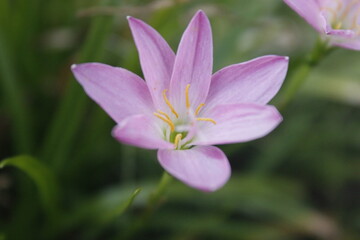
<point x="119" y="92"/>
<point x="202" y="167"/>
<point x="353" y="44"/>
<point x="156" y="58"/>
<point x="345" y="34"/>
<point x="141" y="131"/>
<point x="346" y="38"/>
<point x="237" y="123"/>
<point x="193" y="63"/>
<point x="255" y="81"/>
<point x="309" y="10"/>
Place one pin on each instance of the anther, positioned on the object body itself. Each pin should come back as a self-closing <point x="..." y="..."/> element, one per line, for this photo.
<point x="177" y="140"/>
<point x="168" y="121"/>
<point x="169" y="104"/>
<point x="199" y="108"/>
<point x="187" y="96"/>
<point x="206" y="119"/>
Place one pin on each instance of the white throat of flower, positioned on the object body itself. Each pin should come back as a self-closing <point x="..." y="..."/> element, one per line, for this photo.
<point x="177" y="133"/>
<point x="344" y="16"/>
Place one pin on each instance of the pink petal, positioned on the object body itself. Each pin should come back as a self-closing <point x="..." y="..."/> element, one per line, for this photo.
<point x="193" y="63"/>
<point x="341" y="33"/>
<point x="353" y="44"/>
<point x="202" y="167"/>
<point x="156" y="58"/>
<point x="237" y="123"/>
<point x="255" y="81"/>
<point x="309" y="10"/>
<point x="343" y="37"/>
<point x="141" y="131"/>
<point x="119" y="92"/>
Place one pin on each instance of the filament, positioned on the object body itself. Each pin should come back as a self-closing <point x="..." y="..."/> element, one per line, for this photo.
<point x="199" y="108"/>
<point x="355" y="21"/>
<point x="169" y="104"/>
<point x="187" y="96"/>
<point x="168" y="121"/>
<point x="348" y="8"/>
<point x="206" y="119"/>
<point x="330" y="10"/>
<point x="177" y="140"/>
<point x="164" y="114"/>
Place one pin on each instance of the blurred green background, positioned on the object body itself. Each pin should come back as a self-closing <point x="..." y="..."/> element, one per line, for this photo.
<point x="72" y="180"/>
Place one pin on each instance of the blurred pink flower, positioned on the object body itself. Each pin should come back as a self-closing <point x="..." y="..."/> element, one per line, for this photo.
<point x="339" y="20"/>
<point x="182" y="108"/>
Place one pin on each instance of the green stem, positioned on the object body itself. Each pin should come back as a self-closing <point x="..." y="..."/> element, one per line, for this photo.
<point x="300" y="74"/>
<point x="128" y="163"/>
<point x="157" y="194"/>
<point x="153" y="202"/>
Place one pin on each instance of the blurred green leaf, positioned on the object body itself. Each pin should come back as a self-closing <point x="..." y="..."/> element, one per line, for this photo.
<point x="42" y="177"/>
<point x="105" y="219"/>
<point x="97" y="213"/>
<point x="66" y="122"/>
<point x="273" y="205"/>
<point x="108" y="216"/>
<point x="15" y="100"/>
<point x="299" y="182"/>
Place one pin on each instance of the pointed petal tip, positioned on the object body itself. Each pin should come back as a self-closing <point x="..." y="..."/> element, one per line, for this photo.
<point x="82" y="66"/>
<point x="200" y="11"/>
<point x="276" y="115"/>
<point x="280" y="58"/>
<point x="200" y="14"/>
<point x="283" y="59"/>
<point x="133" y="20"/>
<point x="130" y="19"/>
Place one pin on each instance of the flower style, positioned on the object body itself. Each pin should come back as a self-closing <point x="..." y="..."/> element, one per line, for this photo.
<point x="182" y="108"/>
<point x="338" y="20"/>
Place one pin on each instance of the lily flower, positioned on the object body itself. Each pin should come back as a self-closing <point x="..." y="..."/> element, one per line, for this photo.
<point x="181" y="108"/>
<point x="337" y="20"/>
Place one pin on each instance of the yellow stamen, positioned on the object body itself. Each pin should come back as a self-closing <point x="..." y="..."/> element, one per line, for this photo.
<point x="168" y="121"/>
<point x="355" y="24"/>
<point x="206" y="119"/>
<point x="331" y="11"/>
<point x="164" y="114"/>
<point x="199" y="108"/>
<point x="177" y="140"/>
<point x="338" y="25"/>
<point x="169" y="104"/>
<point x="339" y="5"/>
<point x="187" y="96"/>
<point x="348" y="8"/>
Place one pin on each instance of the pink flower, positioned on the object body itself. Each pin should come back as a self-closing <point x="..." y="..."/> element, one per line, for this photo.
<point x="182" y="108"/>
<point x="339" y="20"/>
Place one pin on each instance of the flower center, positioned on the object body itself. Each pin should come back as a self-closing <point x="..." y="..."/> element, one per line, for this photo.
<point x="344" y="16"/>
<point x="178" y="133"/>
